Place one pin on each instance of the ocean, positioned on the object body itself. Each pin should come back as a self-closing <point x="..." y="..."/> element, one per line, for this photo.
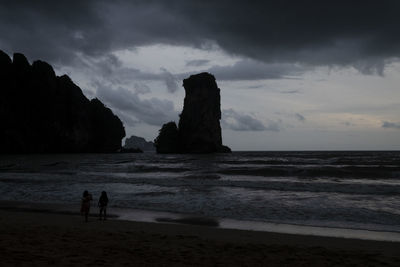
<point x="332" y="189"/>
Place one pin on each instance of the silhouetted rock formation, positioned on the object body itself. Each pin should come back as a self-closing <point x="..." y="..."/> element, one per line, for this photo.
<point x="168" y="139"/>
<point x="137" y="142"/>
<point x="41" y="112"/>
<point x="199" y="125"/>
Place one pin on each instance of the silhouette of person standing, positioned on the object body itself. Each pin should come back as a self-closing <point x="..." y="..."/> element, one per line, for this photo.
<point x="85" y="205"/>
<point x="103" y="201"/>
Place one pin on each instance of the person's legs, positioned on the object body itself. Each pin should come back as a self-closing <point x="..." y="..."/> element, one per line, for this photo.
<point x="102" y="213"/>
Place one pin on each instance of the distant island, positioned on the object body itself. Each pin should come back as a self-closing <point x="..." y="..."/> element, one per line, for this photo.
<point x="44" y="113"/>
<point x="199" y="128"/>
<point x="136" y="142"/>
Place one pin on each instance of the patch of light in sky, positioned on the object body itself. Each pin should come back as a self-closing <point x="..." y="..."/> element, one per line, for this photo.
<point x="173" y="58"/>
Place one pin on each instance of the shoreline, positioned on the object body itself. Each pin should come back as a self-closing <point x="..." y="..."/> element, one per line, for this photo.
<point x="30" y="238"/>
<point x="150" y="216"/>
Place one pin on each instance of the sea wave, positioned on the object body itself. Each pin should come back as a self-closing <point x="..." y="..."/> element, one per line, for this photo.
<point x="350" y="189"/>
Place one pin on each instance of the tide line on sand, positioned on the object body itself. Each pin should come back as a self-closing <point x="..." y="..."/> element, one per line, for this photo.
<point x="138" y="215"/>
<point x="44" y="239"/>
<point x="296" y="229"/>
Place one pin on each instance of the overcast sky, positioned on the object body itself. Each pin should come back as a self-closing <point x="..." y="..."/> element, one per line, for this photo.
<point x="294" y="75"/>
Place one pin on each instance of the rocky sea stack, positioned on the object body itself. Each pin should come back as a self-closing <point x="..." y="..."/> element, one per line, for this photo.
<point x="199" y="128"/>
<point x="44" y="113"/>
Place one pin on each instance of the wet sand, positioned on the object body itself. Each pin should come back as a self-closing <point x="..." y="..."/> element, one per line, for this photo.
<point x="44" y="239"/>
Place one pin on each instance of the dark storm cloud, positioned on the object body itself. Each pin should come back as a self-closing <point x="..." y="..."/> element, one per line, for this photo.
<point x="133" y="109"/>
<point x="170" y="80"/>
<point x="142" y="88"/>
<point x="348" y="124"/>
<point x="51" y="30"/>
<point x="364" y="34"/>
<point x="109" y="69"/>
<point x="392" y="125"/>
<point x="300" y="117"/>
<point x="255" y="70"/>
<point x="256" y="86"/>
<point x="240" y="122"/>
<point x="58" y="31"/>
<point x="237" y="121"/>
<point x="290" y="92"/>
<point x="197" y="62"/>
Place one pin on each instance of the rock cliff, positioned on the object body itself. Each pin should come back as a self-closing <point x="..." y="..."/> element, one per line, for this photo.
<point x="199" y="128"/>
<point x="44" y="113"/>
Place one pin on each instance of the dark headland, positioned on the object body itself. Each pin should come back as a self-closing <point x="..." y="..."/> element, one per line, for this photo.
<point x="199" y="128"/>
<point x="44" y="113"/>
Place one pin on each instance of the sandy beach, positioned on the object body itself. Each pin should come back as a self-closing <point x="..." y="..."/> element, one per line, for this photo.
<point x="44" y="239"/>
